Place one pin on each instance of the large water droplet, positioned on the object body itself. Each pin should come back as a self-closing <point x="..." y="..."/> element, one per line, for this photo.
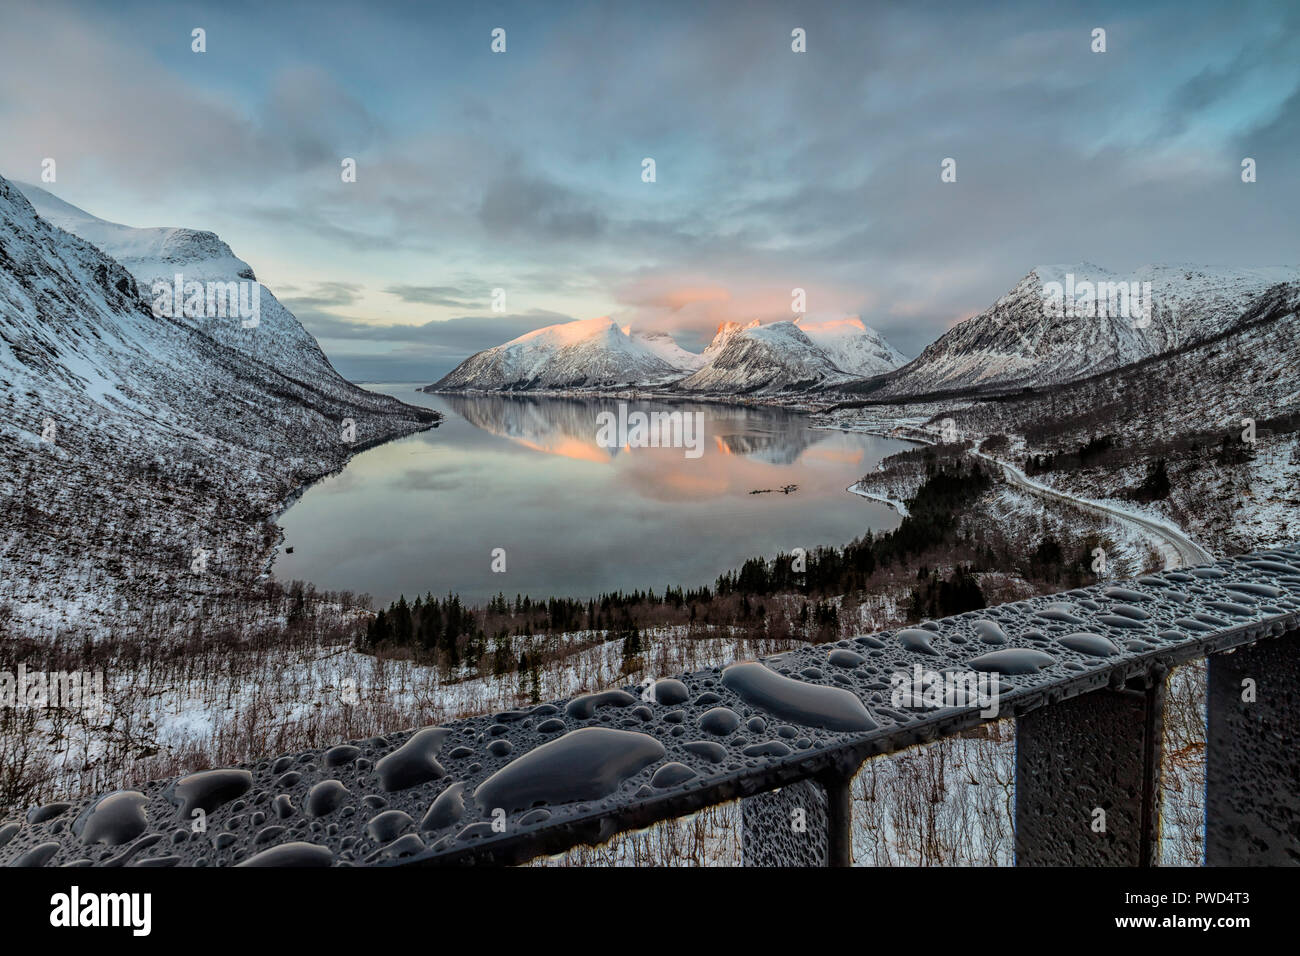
<point x="1094" y="645"/>
<point x="708" y="749"/>
<point x="671" y="691"/>
<point x="208" y="790"/>
<point x="292" y="854"/>
<point x="1013" y="660"/>
<point x="1119" y="620"/>
<point x="47" y="812"/>
<point x="720" y="721"/>
<point x="1126" y="594"/>
<point x="446" y="810"/>
<point x="916" y="640"/>
<point x="342" y="754"/>
<point x="113" y="820"/>
<point x="671" y="774"/>
<point x="388" y="826"/>
<point x="1060" y="612"/>
<point x="813" y="705"/>
<point x="412" y="763"/>
<point x="38" y="855"/>
<point x="325" y="797"/>
<point x="1127" y="610"/>
<point x="583" y="707"/>
<point x="585" y="764"/>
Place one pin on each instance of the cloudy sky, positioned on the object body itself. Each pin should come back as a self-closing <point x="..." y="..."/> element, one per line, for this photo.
<point x="775" y="170"/>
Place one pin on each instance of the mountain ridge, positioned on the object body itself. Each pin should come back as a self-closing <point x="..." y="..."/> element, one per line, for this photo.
<point x="136" y="443"/>
<point x="752" y="358"/>
<point x="1017" y="342"/>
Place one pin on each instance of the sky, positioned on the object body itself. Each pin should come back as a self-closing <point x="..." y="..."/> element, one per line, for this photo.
<point x="775" y="170"/>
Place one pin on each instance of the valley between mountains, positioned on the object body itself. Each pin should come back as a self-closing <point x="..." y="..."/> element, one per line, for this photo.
<point x="139" y="448"/>
<point x="146" y="459"/>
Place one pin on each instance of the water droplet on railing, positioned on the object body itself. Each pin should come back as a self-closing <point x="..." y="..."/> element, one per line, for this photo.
<point x="1013" y="660"/>
<point x="446" y="810"/>
<point x="585" y="764"/>
<point x="413" y="763"/>
<point x="990" y="632"/>
<point x="671" y="774"/>
<point x="292" y="854"/>
<point x="1094" y="645"/>
<point x="208" y="790"/>
<point x="114" y="819"/>
<point x="810" y="704"/>
<point x="917" y="641"/>
<point x="719" y="720"/>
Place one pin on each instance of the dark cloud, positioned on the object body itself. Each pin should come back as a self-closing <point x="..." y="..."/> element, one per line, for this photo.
<point x="323" y="295"/>
<point x="461" y="336"/>
<point x="819" y="170"/>
<point x="540" y="209"/>
<point x="453" y="296"/>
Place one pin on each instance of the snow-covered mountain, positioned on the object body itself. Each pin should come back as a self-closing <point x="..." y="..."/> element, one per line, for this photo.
<point x="854" y="346"/>
<point x="1185" y="408"/>
<point x="666" y="347"/>
<point x="1047" y="331"/>
<point x="133" y="443"/>
<point x="160" y="254"/>
<point x="763" y="359"/>
<point x="748" y="359"/>
<point x="588" y="353"/>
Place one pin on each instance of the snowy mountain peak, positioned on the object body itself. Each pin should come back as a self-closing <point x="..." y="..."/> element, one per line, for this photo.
<point x="146" y="250"/>
<point x="854" y="346"/>
<point x="1065" y="322"/>
<point x="159" y="254"/>
<point x="763" y="359"/>
<point x="585" y="353"/>
<point x="666" y="347"/>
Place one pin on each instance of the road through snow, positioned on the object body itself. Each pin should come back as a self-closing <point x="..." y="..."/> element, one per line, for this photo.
<point x="1177" y="549"/>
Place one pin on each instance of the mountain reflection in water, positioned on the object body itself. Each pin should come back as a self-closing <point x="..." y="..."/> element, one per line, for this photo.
<point x="527" y="474"/>
<point x="568" y="426"/>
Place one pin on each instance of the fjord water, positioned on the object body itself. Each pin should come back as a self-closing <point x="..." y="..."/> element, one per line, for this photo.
<point x="527" y="474"/>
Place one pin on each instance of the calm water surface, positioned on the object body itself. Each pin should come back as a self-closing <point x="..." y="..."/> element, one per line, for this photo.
<point x="425" y="512"/>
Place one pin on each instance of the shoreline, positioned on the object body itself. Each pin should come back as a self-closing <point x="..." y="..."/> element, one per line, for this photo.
<point x="640" y="394"/>
<point x="296" y="494"/>
<point x="898" y="506"/>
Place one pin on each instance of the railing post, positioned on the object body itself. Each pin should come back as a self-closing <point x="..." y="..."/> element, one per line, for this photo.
<point x="786" y="827"/>
<point x="1087" y="778"/>
<point x="839" y="819"/>
<point x="1252" y="800"/>
<point x="808" y="823"/>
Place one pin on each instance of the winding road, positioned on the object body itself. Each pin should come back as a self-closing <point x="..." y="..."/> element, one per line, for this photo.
<point x="1177" y="549"/>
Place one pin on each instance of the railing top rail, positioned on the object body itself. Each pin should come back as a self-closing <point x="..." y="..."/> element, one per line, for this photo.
<point x="510" y="786"/>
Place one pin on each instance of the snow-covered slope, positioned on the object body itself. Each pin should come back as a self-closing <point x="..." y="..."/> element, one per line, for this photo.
<point x="130" y="440"/>
<point x="854" y="346"/>
<point x="1022" y="339"/>
<point x="588" y="353"/>
<point x="159" y="254"/>
<point x="1187" y="407"/>
<point x="663" y="345"/>
<point x="763" y="359"/>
